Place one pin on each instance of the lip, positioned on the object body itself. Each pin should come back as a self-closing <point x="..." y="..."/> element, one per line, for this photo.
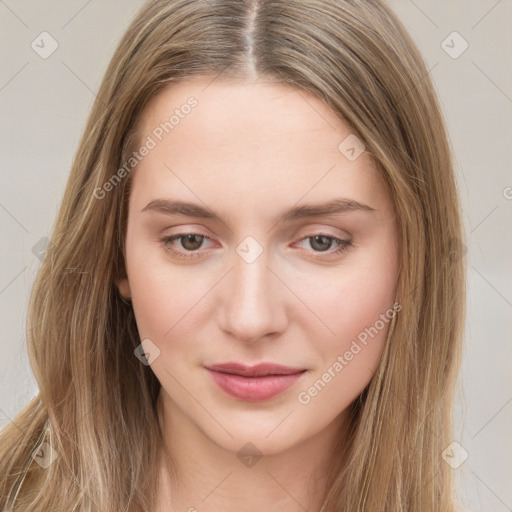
<point x="254" y="383"/>
<point x="257" y="370"/>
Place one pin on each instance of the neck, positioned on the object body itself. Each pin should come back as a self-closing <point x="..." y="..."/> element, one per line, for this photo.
<point x="202" y="475"/>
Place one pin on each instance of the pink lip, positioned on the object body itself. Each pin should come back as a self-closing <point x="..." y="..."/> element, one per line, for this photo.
<point x="255" y="383"/>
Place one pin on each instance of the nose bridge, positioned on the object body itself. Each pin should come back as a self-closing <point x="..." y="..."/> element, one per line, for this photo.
<point x="252" y="302"/>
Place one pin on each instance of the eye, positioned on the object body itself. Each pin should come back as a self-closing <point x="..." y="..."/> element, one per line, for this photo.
<point x="321" y="243"/>
<point x="190" y="243"/>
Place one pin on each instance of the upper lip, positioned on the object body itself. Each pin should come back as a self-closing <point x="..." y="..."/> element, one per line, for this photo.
<point x="258" y="370"/>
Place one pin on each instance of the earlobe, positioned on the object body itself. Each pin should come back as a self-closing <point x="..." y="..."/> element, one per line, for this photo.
<point x="123" y="286"/>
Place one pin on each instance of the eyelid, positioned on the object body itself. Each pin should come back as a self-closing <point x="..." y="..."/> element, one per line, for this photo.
<point x="343" y="235"/>
<point x="319" y="231"/>
<point x="183" y="234"/>
<point x="340" y="245"/>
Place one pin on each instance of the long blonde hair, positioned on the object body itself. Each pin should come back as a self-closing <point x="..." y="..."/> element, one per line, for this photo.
<point x="96" y="406"/>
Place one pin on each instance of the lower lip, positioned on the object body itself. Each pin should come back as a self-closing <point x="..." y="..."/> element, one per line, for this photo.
<point x="254" y="389"/>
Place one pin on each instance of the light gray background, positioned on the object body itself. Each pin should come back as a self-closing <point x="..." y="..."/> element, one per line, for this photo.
<point x="43" y="108"/>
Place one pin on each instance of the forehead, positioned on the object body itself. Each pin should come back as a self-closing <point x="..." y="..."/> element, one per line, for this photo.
<point x="250" y="140"/>
<point x="256" y="112"/>
<point x="219" y="97"/>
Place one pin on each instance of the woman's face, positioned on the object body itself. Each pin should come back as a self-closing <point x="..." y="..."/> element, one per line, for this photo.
<point x="258" y="232"/>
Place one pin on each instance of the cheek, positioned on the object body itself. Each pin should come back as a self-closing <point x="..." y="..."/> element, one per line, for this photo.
<point x="359" y="311"/>
<point x="159" y="297"/>
<point x="354" y="297"/>
<point x="355" y="306"/>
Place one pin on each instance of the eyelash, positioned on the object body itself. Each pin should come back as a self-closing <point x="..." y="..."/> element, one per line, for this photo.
<point x="343" y="245"/>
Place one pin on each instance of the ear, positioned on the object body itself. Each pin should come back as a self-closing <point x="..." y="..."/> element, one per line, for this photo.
<point x="124" y="287"/>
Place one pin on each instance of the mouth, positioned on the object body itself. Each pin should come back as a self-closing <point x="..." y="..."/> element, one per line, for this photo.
<point x="254" y="383"/>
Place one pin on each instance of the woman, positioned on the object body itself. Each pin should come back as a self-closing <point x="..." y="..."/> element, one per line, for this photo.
<point x="254" y="294"/>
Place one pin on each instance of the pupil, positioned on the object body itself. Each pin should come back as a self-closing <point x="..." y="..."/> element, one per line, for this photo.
<point x="323" y="246"/>
<point x="190" y="238"/>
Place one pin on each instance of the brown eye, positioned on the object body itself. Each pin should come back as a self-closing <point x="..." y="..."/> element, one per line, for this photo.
<point x="325" y="246"/>
<point x="321" y="242"/>
<point x="191" y="242"/>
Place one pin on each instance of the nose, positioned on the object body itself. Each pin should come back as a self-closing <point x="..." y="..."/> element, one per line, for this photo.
<point x="252" y="302"/>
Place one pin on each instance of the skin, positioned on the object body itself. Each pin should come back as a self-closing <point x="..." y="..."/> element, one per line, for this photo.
<point x="249" y="151"/>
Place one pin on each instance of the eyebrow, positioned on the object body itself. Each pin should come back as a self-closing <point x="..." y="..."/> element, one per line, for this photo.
<point x="338" y="205"/>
